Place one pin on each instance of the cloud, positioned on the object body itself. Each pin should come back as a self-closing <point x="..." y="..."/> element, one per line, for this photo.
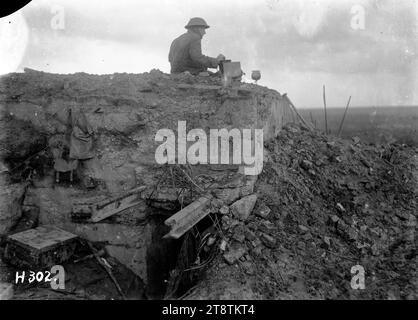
<point x="13" y="41"/>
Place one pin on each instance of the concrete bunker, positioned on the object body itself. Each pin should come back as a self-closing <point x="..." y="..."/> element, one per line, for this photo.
<point x="124" y="112"/>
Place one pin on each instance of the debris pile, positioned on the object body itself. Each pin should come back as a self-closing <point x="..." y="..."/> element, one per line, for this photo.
<point x="322" y="206"/>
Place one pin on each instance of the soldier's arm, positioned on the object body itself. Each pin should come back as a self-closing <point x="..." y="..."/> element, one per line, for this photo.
<point x="196" y="55"/>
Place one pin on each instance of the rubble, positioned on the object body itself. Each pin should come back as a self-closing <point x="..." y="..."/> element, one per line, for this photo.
<point x="224" y="210"/>
<point x="234" y="254"/>
<point x="361" y="210"/>
<point x="303" y="229"/>
<point x="268" y="240"/>
<point x="243" y="207"/>
<point x="263" y="211"/>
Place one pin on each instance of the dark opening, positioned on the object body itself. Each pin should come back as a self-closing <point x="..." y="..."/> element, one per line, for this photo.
<point x="172" y="263"/>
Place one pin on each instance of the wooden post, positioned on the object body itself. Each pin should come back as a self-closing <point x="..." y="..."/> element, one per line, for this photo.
<point x="342" y="121"/>
<point x="312" y="119"/>
<point x="297" y="113"/>
<point x="325" y="109"/>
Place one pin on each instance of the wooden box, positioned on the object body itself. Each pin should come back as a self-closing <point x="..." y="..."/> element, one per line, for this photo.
<point x="41" y="247"/>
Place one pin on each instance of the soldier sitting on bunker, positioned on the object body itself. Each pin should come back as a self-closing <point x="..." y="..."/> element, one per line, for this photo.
<point x="186" y="50"/>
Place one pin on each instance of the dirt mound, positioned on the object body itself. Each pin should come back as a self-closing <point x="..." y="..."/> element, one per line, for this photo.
<point x="321" y="205"/>
<point x="324" y="205"/>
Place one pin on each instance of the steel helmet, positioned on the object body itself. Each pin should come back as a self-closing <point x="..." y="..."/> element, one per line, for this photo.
<point x="197" y="22"/>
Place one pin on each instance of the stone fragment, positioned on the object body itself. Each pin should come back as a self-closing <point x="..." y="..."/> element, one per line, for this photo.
<point x="268" y="225"/>
<point x="306" y="164"/>
<point x="268" y="240"/>
<point x="248" y="267"/>
<point x="234" y="222"/>
<point x="224" y="210"/>
<point x="249" y="235"/>
<point x="6" y="291"/>
<point x="258" y="250"/>
<point x="334" y="220"/>
<point x="10" y="204"/>
<point x="340" y="207"/>
<point x="301" y="245"/>
<point x="352" y="234"/>
<point x="263" y="211"/>
<point x="227" y="195"/>
<point x="243" y="207"/>
<point x="211" y="241"/>
<point x="234" y="254"/>
<point x="222" y="246"/>
<point x="307" y="237"/>
<point x="255" y="243"/>
<point x="238" y="234"/>
<point x="3" y="168"/>
<point x="215" y="205"/>
<point x="303" y="229"/>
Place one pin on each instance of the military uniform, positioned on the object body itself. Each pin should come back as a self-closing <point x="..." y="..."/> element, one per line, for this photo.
<point x="186" y="55"/>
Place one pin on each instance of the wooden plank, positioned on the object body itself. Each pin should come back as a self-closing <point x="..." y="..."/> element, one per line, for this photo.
<point x="198" y="86"/>
<point x="95" y="212"/>
<point x="111" y="208"/>
<point x="42" y="238"/>
<point x="135" y="191"/>
<point x="188" y="217"/>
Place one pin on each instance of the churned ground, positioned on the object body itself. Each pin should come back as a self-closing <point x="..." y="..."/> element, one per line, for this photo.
<point x="334" y="204"/>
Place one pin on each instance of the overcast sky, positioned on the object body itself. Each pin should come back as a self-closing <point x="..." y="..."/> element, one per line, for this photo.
<point x="297" y="45"/>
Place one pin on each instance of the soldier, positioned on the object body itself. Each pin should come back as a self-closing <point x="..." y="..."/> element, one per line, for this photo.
<point x="186" y="51"/>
